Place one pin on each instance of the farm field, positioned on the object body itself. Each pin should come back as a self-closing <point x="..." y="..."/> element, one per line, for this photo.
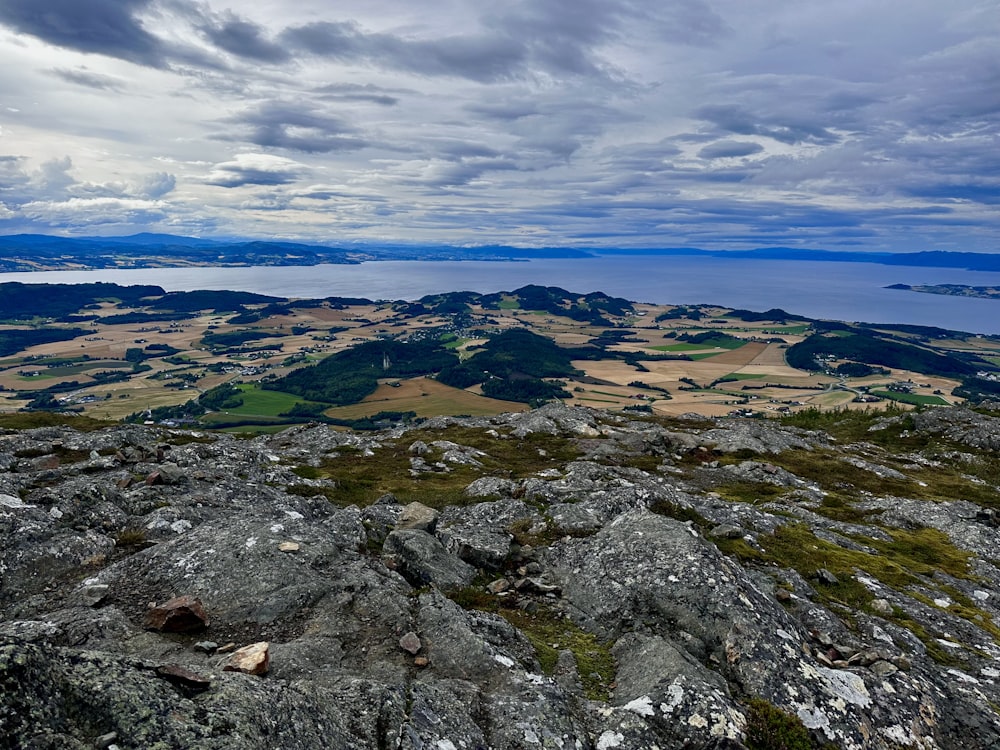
<point x="654" y="358"/>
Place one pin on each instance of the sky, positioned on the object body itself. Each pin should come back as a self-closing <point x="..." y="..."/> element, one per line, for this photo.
<point x="719" y="124"/>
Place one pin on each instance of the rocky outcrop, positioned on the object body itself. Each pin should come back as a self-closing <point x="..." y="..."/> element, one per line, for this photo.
<point x="164" y="589"/>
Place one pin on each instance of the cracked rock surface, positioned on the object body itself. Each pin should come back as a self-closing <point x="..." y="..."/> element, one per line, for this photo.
<point x="560" y="578"/>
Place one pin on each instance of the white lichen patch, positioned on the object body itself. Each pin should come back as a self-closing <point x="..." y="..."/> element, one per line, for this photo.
<point x="962" y="676"/>
<point x="610" y="740"/>
<point x="697" y="720"/>
<point x="813" y="718"/>
<point x="503" y="660"/>
<point x="675" y="695"/>
<point x="847" y="686"/>
<point x="643" y="705"/>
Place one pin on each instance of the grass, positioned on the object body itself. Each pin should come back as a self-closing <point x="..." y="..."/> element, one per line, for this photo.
<point x="260" y="403"/>
<point x="361" y="479"/>
<point x="910" y="559"/>
<point x="770" y="728"/>
<point x="748" y="492"/>
<point x="31" y="420"/>
<point x="551" y="633"/>
<point x="911" y="398"/>
<point x="682" y="347"/>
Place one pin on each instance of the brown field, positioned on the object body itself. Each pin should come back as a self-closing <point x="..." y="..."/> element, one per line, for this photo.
<point x="427" y="398"/>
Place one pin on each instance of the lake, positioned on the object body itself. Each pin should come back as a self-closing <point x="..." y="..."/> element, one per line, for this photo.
<point x="839" y="291"/>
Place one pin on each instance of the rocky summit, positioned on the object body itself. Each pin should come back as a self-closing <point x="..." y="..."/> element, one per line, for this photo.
<point x="561" y="578"/>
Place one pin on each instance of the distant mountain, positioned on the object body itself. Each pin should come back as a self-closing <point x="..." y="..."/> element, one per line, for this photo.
<point x="33" y="252"/>
<point x="926" y="259"/>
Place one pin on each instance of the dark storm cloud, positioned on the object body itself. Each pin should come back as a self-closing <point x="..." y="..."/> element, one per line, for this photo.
<point x="106" y="27"/>
<point x="243" y="38"/>
<point x="723" y="149"/>
<point x="294" y="126"/>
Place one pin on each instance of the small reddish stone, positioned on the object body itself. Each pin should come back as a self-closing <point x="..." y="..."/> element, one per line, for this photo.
<point x="182" y="614"/>
<point x="411" y="643"/>
<point x="178" y="675"/>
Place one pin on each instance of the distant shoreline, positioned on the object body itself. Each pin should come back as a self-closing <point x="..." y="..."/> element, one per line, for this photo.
<point x="31" y="252"/>
<point x="951" y="290"/>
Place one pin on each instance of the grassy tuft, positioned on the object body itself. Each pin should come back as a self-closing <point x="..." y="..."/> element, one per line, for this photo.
<point x="550" y="633"/>
<point x="770" y="728"/>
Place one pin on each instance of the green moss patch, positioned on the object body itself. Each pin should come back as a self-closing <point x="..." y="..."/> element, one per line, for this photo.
<point x="361" y="479"/>
<point x="550" y="633"/>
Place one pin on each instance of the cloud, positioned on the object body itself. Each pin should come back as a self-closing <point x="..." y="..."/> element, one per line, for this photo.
<point x="295" y="126"/>
<point x="106" y="27"/>
<point x="156" y="185"/>
<point x="243" y="38"/>
<point x="730" y="118"/>
<point x="255" y="169"/>
<point x="479" y="57"/>
<point x="77" y="212"/>
<point x="357" y="92"/>
<point x="723" y="149"/>
<point x="83" y="77"/>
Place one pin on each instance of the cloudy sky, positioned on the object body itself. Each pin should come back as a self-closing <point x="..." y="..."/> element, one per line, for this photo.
<point x="855" y="124"/>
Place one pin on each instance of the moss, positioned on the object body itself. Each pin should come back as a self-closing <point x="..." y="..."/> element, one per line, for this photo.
<point x="31" y="420"/>
<point x="132" y="536"/>
<point x="935" y="650"/>
<point x="680" y="513"/>
<point x="748" y="492"/>
<point x="361" y="479"/>
<point x="838" y="507"/>
<point x="770" y="728"/>
<point x="307" y="472"/>
<point x="549" y="632"/>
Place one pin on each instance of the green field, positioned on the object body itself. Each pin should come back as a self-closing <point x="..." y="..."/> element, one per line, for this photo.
<point x="261" y="403"/>
<point x="911" y="398"/>
<point x="739" y="376"/>
<point x="680" y="348"/>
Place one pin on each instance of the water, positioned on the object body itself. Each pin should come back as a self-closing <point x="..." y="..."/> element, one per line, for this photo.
<point x="839" y="291"/>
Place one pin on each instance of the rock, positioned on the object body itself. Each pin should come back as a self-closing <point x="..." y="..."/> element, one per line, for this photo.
<point x="479" y="534"/>
<point x="185" y="678"/>
<point x="881" y="606"/>
<point x="692" y="632"/>
<point x="94" y="595"/>
<point x="825" y="576"/>
<point x="182" y="614"/>
<point x="498" y="586"/>
<point x="253" y="659"/>
<point x="422" y="560"/>
<point x="417" y="516"/>
<point x="727" y="531"/>
<point x="289" y="546"/>
<point x="411" y="643"/>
